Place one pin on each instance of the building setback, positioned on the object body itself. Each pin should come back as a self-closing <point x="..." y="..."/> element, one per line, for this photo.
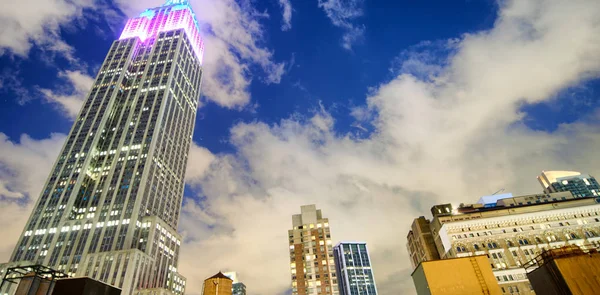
<point x="353" y="266"/>
<point x="311" y="254"/>
<point x="110" y="207"/>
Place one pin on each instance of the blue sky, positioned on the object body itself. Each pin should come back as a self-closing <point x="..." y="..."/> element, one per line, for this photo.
<point x="374" y="110"/>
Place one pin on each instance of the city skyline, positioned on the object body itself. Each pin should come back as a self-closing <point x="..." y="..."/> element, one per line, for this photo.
<point x="374" y="111"/>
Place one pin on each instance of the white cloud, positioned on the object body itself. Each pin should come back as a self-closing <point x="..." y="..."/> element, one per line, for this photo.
<point x="286" y="9"/>
<point x="342" y="13"/>
<point x="233" y="39"/>
<point x="11" y="83"/>
<point x="70" y="97"/>
<point x="28" y="22"/>
<point x="200" y="159"/>
<point x="24" y="167"/>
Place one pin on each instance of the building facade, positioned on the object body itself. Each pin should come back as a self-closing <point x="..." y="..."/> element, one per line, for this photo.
<point x="515" y="230"/>
<point x="353" y="266"/>
<point x="237" y="288"/>
<point x="111" y="204"/>
<point x="420" y="243"/>
<point x="580" y="185"/>
<point x="311" y="254"/>
<point x="466" y="276"/>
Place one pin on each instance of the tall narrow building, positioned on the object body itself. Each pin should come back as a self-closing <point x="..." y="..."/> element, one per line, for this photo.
<point x="110" y="206"/>
<point x="311" y="254"/>
<point x="353" y="265"/>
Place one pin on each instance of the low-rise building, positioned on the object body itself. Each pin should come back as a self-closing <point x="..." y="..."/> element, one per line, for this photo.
<point x="465" y="276"/>
<point x="511" y="231"/>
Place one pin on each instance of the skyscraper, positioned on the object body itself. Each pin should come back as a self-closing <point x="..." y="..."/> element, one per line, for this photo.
<point x="238" y="288"/>
<point x="110" y="207"/>
<point x="580" y="185"/>
<point x="353" y="265"/>
<point x="311" y="254"/>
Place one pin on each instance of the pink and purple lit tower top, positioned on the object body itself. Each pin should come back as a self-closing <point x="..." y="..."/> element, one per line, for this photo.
<point x="173" y="15"/>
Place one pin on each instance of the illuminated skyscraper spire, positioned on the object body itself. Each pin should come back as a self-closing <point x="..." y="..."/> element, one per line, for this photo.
<point x="172" y="2"/>
<point x="109" y="209"/>
<point x="173" y="15"/>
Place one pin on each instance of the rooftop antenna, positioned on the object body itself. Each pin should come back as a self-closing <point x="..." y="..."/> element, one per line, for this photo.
<point x="499" y="191"/>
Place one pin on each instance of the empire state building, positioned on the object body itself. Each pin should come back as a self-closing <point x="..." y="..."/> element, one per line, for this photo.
<point x="110" y="206"/>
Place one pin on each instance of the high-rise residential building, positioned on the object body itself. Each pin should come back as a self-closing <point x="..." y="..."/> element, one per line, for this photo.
<point x="511" y="231"/>
<point x="238" y="288"/>
<point x="420" y="244"/>
<point x="354" y="270"/>
<point x="467" y="275"/>
<point x="110" y="207"/>
<point x="311" y="254"/>
<point x="218" y="284"/>
<point x="580" y="185"/>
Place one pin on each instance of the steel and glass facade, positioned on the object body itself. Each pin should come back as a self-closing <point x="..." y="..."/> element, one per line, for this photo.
<point x="353" y="266"/>
<point x="580" y="185"/>
<point x="110" y="207"/>
<point x="238" y="289"/>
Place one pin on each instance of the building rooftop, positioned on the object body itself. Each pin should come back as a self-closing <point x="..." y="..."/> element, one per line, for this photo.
<point x="505" y="202"/>
<point x="220" y="275"/>
<point x="549" y="177"/>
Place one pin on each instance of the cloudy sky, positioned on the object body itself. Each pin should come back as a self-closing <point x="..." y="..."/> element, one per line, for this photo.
<point x="373" y="110"/>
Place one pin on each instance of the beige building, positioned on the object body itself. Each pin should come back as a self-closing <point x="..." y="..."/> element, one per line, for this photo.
<point x="465" y="276"/>
<point x="218" y="284"/>
<point x="311" y="254"/>
<point x="511" y="231"/>
<point x="420" y="243"/>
